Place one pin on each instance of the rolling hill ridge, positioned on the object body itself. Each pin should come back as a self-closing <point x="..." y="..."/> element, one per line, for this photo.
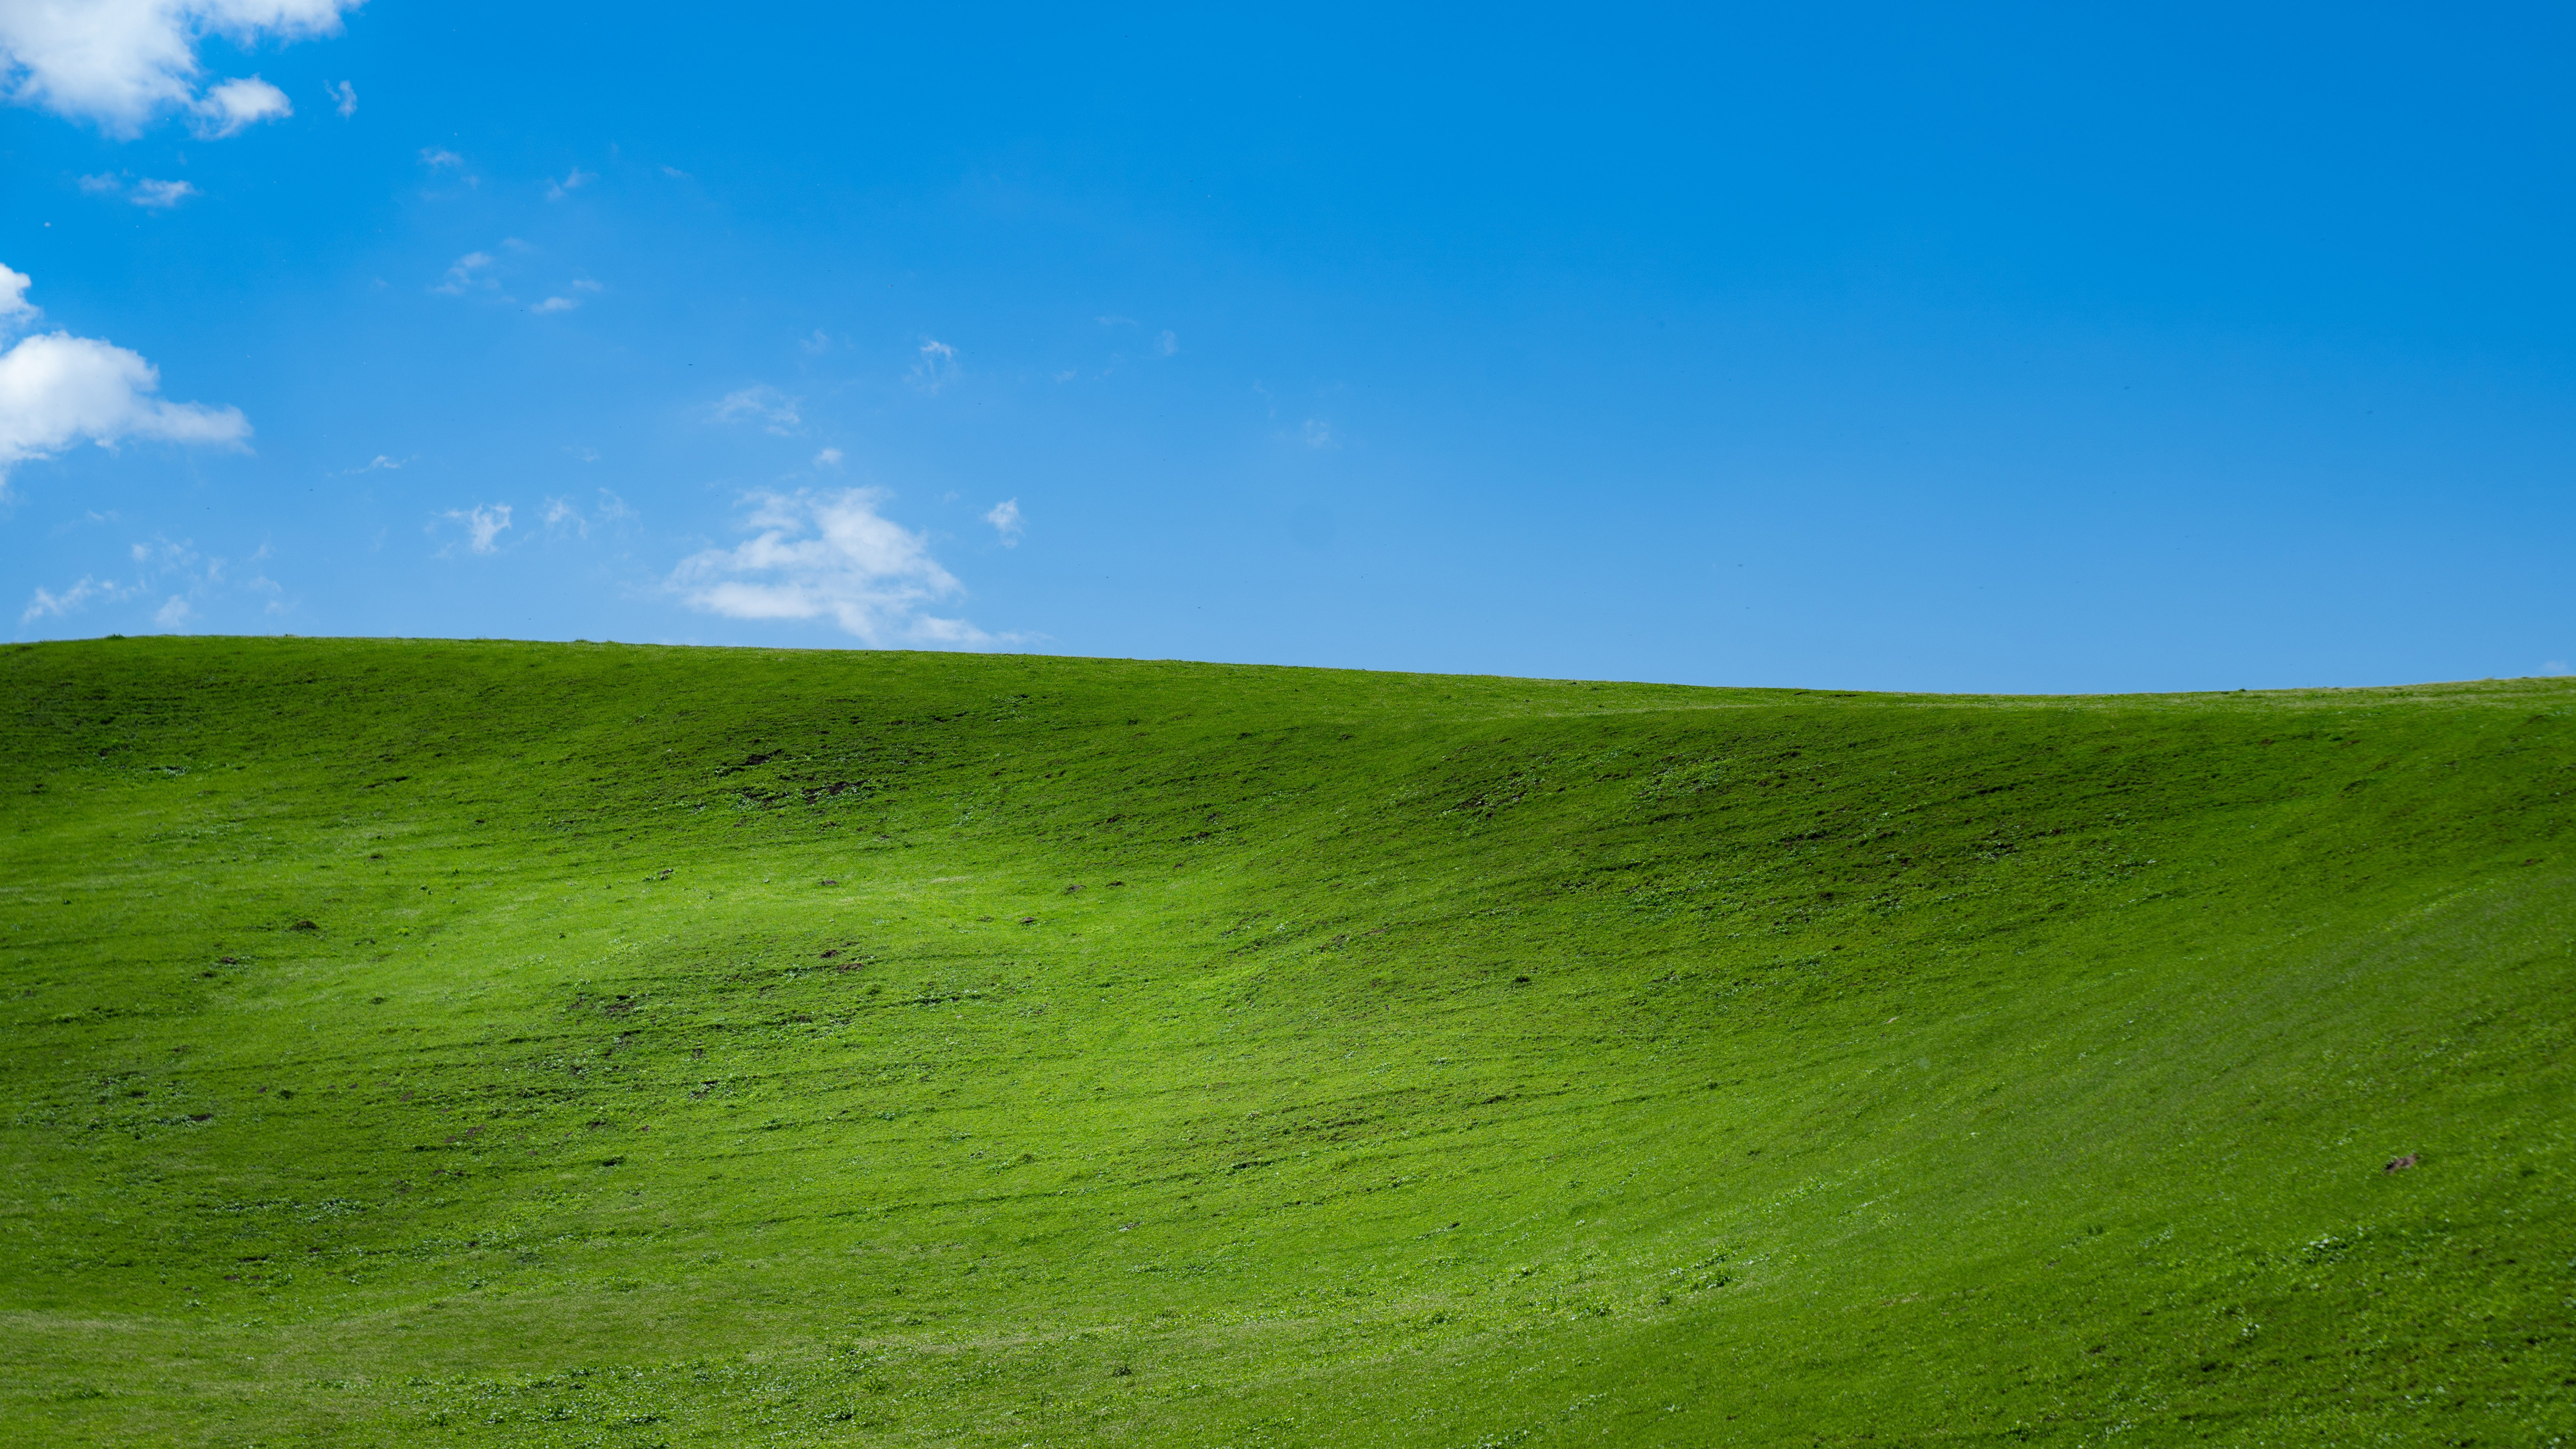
<point x="488" y="1043"/>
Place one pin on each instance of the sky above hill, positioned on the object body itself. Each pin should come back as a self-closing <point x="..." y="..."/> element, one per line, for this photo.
<point x="1850" y="347"/>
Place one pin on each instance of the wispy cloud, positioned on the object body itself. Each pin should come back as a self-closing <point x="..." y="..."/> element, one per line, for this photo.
<point x="378" y="464"/>
<point x="484" y="524"/>
<point x="175" y="569"/>
<point x="1319" y="434"/>
<point x="123" y="65"/>
<point x="828" y="458"/>
<point x="75" y="598"/>
<point x="761" y="403"/>
<point x="160" y="195"/>
<point x="556" y="190"/>
<point x="468" y="272"/>
<point x="57" y="390"/>
<point x="830" y="556"/>
<point x="1166" y="343"/>
<point x="147" y="193"/>
<point x="440" y="162"/>
<point x="1005" y="519"/>
<point x="235" y="106"/>
<point x="934" y="366"/>
<point x="562" y="303"/>
<point x="563" y="515"/>
<point x="344" y="98"/>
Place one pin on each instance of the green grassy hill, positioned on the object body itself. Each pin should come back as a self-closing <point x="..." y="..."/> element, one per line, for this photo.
<point x="420" y="1043"/>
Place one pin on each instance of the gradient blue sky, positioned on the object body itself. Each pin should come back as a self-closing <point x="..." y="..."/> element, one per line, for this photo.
<point x="1863" y="347"/>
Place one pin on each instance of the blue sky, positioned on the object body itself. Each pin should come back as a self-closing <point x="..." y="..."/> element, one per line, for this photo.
<point x="1994" y="348"/>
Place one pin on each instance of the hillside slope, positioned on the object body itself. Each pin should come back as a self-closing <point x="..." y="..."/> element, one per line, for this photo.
<point x="420" y="1043"/>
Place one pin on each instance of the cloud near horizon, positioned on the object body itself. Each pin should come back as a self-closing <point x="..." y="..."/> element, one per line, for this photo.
<point x="124" y="65"/>
<point x="57" y="390"/>
<point x="831" y="555"/>
<point x="171" y="568"/>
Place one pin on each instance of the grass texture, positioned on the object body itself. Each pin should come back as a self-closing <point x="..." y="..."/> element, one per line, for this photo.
<point x="415" y="1043"/>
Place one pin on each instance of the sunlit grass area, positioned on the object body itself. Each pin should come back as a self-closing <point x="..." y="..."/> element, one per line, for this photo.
<point x="419" y="1043"/>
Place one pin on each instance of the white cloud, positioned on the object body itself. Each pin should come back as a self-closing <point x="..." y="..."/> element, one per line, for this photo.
<point x="190" y="578"/>
<point x="160" y="195"/>
<point x="772" y="408"/>
<point x="344" y="98"/>
<point x="122" y="63"/>
<point x="74" y="599"/>
<point x="563" y="513"/>
<point x="577" y="180"/>
<point x="828" y="458"/>
<point x="1167" y="344"/>
<point x="57" y="389"/>
<point x="236" y="106"/>
<point x="147" y="193"/>
<point x="439" y="158"/>
<point x="2556" y="666"/>
<point x="830" y="555"/>
<point x="676" y="174"/>
<point x="494" y="276"/>
<point x="1319" y="434"/>
<point x="1005" y="519"/>
<point x="935" y="367"/>
<point x="468" y="271"/>
<point x="484" y="524"/>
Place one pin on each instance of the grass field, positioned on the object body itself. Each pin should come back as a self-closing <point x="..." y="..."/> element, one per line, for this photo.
<point x="439" y="1043"/>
